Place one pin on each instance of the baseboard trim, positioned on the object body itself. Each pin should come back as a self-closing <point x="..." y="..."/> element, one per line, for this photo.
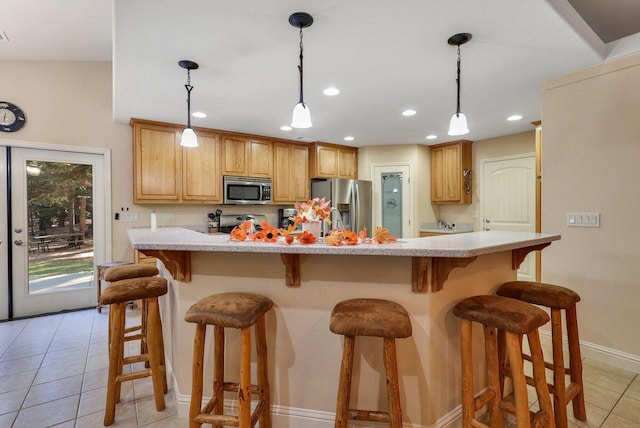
<point x="602" y="354"/>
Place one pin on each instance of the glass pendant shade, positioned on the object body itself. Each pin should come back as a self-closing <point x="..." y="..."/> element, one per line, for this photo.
<point x="189" y="138"/>
<point x="458" y="124"/>
<point x="301" y="116"/>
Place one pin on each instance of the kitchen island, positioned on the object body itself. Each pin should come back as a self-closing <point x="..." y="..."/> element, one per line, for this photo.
<point x="425" y="275"/>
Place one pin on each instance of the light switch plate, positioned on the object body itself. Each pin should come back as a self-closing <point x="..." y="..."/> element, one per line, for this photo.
<point x="583" y="219"/>
<point x="128" y="217"/>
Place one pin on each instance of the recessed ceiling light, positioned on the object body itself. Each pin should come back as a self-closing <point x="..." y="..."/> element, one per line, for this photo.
<point x="408" y="112"/>
<point x="349" y="138"/>
<point x="285" y="128"/>
<point x="331" y="91"/>
<point x="514" y="117"/>
<point x="431" y="137"/>
<point x="199" y="114"/>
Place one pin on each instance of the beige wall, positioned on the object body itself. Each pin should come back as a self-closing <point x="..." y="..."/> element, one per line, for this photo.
<point x="591" y="150"/>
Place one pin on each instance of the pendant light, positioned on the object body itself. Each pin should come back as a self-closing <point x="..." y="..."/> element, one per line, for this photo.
<point x="301" y="113"/>
<point x="189" y="137"/>
<point x="458" y="124"/>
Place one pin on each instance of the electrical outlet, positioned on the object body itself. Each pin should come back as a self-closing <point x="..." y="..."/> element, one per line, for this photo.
<point x="128" y="217"/>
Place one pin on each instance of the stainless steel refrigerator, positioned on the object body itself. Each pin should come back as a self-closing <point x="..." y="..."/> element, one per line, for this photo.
<point x="350" y="201"/>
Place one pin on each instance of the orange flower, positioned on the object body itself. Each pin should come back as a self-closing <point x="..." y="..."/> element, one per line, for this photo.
<point x="363" y="234"/>
<point x="350" y="237"/>
<point x="239" y="233"/>
<point x="334" y="238"/>
<point x="315" y="209"/>
<point x="306" y="238"/>
<point x="382" y="235"/>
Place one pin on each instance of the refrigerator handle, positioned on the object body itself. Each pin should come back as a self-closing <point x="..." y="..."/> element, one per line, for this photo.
<point x="355" y="201"/>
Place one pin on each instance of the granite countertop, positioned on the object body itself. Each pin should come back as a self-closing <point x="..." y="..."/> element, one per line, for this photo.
<point x="455" y="245"/>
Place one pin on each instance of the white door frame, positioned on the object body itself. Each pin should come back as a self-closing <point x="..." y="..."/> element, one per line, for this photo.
<point x="406" y="169"/>
<point x="102" y="227"/>
<point x="4" y="240"/>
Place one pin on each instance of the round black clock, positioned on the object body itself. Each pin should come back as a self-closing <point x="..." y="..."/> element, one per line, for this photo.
<point x="12" y="118"/>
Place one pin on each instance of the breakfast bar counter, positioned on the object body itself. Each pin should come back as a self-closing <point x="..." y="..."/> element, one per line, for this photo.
<point x="427" y="276"/>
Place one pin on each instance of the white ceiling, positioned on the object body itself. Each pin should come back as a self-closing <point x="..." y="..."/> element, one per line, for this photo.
<point x="385" y="56"/>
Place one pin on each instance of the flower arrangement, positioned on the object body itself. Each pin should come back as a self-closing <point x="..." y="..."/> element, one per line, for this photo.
<point x="313" y="210"/>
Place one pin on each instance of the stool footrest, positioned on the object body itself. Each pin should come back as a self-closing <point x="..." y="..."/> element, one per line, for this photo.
<point x="368" y="415"/>
<point x="234" y="387"/>
<point x="205" y="417"/>
<point x="141" y="374"/>
<point x="483" y="398"/>
<point x="573" y="389"/>
<point x="142" y="358"/>
<point x="477" y="424"/>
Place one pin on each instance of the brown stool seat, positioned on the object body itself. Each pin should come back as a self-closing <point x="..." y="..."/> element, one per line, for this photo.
<point x="505" y="321"/>
<point x="126" y="290"/>
<point x="230" y="310"/>
<point x="370" y="317"/>
<point x="128" y="271"/>
<point x="100" y="271"/>
<point x="558" y="299"/>
<point x="239" y="311"/>
<point x="501" y="312"/>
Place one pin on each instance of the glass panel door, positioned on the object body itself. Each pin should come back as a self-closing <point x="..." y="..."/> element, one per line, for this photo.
<point x="392" y="202"/>
<point x="57" y="235"/>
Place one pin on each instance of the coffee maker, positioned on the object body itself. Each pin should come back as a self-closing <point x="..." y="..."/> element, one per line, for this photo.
<point x="283" y="217"/>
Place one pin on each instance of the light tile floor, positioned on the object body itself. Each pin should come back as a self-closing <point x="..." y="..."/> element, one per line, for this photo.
<point x="53" y="372"/>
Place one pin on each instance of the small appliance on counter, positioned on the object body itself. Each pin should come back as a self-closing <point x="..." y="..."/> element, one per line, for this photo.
<point x="229" y="221"/>
<point x="285" y="216"/>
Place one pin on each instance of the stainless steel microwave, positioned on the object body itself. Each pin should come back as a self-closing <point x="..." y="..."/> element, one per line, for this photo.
<point x="246" y="190"/>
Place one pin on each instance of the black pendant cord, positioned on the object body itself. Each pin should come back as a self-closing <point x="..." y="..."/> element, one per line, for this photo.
<point x="300" y="69"/>
<point x="458" y="83"/>
<point x="189" y="88"/>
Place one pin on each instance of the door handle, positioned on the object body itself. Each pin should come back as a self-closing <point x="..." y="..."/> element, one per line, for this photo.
<point x="18" y="242"/>
<point x="487" y="220"/>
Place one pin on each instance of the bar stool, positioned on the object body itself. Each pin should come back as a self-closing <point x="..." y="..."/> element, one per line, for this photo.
<point x="557" y="298"/>
<point x="100" y="270"/>
<point x="369" y="317"/>
<point x="239" y="311"/>
<point x="514" y="319"/>
<point x="125" y="270"/>
<point x="116" y="295"/>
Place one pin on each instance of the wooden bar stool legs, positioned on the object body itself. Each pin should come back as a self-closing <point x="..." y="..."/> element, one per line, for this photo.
<point x="557" y="298"/>
<point x="369" y="317"/>
<point x="510" y="319"/>
<point x="230" y="310"/>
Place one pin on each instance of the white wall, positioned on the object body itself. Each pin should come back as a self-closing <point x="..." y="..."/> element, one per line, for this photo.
<point x="590" y="155"/>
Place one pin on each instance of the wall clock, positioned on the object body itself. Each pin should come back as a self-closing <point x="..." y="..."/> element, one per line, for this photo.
<point x="12" y="118"/>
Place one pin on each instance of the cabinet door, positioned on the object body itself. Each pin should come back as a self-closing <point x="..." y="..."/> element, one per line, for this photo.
<point x="327" y="161"/>
<point x="234" y="158"/>
<point x="281" y="191"/>
<point x="347" y="163"/>
<point x="157" y="164"/>
<point x="201" y="171"/>
<point x="437" y="175"/>
<point x="452" y="173"/>
<point x="260" y="155"/>
<point x="300" y="183"/>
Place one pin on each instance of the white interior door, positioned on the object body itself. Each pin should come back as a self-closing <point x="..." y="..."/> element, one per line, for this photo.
<point x="509" y="200"/>
<point x="58" y="228"/>
<point x="392" y="196"/>
<point x="4" y="239"/>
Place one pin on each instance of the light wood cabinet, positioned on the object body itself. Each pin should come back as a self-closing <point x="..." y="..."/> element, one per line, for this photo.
<point x="247" y="157"/>
<point x="451" y="173"/>
<point x="290" y="172"/>
<point x="166" y="172"/>
<point x="333" y="161"/>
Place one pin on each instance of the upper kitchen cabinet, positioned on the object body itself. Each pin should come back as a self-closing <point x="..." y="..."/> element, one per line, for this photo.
<point x="290" y="172"/>
<point x="333" y="161"/>
<point x="451" y="173"/>
<point x="165" y="172"/>
<point x="247" y="157"/>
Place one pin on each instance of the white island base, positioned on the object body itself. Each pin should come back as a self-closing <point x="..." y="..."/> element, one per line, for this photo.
<point x="304" y="356"/>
